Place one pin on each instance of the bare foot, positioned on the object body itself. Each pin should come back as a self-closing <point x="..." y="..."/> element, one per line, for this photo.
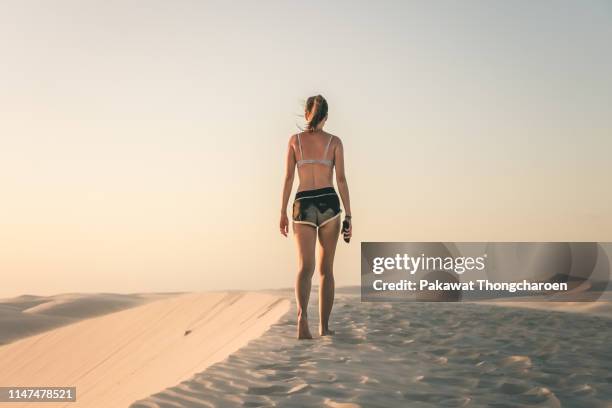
<point x="326" y="332"/>
<point x="303" y="330"/>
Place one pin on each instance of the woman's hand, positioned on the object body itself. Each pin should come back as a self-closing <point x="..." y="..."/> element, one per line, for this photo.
<point x="284" y="224"/>
<point x="349" y="232"/>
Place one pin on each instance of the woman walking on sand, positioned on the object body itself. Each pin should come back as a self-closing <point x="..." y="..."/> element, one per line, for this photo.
<point x="316" y="210"/>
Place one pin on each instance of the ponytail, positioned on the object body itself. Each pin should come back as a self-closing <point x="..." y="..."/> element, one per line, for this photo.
<point x="316" y="106"/>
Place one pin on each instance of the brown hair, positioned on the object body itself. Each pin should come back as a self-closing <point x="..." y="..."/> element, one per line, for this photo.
<point x="316" y="106"/>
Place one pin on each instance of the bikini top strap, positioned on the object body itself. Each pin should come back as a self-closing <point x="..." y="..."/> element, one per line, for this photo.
<point x="327" y="147"/>
<point x="300" y="145"/>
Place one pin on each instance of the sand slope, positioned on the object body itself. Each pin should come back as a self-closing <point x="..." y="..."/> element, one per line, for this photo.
<point x="416" y="355"/>
<point x="120" y="357"/>
<point x="27" y="315"/>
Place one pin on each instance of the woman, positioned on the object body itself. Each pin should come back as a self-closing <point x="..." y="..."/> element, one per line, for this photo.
<point x="316" y="210"/>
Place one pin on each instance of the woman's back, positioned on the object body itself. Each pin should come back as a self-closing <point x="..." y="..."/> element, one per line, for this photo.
<point x="314" y="155"/>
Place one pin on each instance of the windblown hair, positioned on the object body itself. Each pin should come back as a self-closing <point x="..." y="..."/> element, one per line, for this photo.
<point x="316" y="107"/>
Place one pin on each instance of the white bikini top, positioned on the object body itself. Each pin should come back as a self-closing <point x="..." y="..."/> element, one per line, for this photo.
<point x="319" y="161"/>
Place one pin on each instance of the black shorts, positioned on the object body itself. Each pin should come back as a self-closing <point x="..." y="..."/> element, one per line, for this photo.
<point x="316" y="207"/>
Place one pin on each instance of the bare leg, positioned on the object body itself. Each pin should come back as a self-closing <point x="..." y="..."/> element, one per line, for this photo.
<point x="328" y="238"/>
<point x="306" y="238"/>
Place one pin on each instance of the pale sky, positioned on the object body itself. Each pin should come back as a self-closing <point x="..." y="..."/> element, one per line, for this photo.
<point x="142" y="142"/>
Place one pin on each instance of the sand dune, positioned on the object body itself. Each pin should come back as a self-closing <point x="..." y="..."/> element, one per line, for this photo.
<point x="602" y="307"/>
<point x="28" y="315"/>
<point x="120" y="357"/>
<point x="412" y="355"/>
<point x="599" y="308"/>
<point x="14" y="324"/>
<point x="82" y="306"/>
<point x="215" y="350"/>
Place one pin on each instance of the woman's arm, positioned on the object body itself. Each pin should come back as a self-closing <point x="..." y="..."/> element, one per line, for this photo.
<point x="341" y="178"/>
<point x="287" y="186"/>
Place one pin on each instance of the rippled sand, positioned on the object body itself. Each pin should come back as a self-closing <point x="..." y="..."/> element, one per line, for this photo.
<point x="416" y="355"/>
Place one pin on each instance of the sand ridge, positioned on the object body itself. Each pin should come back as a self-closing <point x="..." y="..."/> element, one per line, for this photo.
<point x="126" y="355"/>
<point x="413" y="355"/>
